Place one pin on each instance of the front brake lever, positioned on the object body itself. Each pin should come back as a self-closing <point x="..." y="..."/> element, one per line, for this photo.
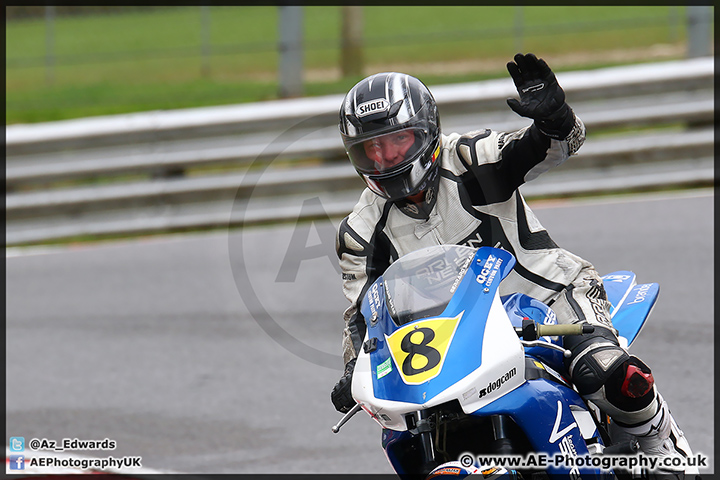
<point x="346" y="417"/>
<point x="552" y="346"/>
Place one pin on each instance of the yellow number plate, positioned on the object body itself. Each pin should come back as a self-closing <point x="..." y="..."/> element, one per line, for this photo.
<point x="419" y="349"/>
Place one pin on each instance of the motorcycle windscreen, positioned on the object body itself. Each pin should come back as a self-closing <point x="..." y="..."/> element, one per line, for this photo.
<point x="438" y="299"/>
<point x="421" y="284"/>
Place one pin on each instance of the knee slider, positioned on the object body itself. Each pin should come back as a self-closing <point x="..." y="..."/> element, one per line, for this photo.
<point x="595" y="359"/>
<point x="601" y="370"/>
<point x="630" y="387"/>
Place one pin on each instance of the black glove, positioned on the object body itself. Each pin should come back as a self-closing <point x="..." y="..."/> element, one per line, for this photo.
<point x="341" y="395"/>
<point x="541" y="98"/>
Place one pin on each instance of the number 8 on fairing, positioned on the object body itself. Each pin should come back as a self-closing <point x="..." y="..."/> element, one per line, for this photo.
<point x="418" y="349"/>
<point x="432" y="356"/>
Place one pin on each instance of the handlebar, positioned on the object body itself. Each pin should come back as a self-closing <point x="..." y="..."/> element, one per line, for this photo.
<point x="532" y="331"/>
<point x="572" y="329"/>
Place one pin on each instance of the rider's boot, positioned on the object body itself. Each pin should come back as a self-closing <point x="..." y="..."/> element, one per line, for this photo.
<point x="660" y="437"/>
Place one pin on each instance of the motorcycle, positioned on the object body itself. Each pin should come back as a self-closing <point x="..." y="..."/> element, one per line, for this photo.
<point x="457" y="375"/>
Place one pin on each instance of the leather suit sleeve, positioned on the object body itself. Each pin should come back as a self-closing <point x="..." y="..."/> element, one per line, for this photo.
<point x="502" y="162"/>
<point x="364" y="253"/>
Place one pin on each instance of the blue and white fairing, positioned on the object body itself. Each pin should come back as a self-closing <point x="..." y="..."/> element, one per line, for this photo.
<point x="630" y="306"/>
<point x="465" y="350"/>
<point x="519" y="307"/>
<point x="631" y="303"/>
<point x="437" y="331"/>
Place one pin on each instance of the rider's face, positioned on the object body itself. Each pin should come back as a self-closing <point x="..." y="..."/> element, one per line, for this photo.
<point x="389" y="150"/>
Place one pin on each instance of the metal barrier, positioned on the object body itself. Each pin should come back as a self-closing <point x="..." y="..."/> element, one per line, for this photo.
<point x="156" y="171"/>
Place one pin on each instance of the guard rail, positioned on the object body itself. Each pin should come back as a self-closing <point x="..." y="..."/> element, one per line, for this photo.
<point x="199" y="168"/>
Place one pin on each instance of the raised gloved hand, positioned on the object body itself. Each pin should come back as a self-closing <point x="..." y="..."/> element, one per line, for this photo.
<point x="541" y="98"/>
<point x="341" y="394"/>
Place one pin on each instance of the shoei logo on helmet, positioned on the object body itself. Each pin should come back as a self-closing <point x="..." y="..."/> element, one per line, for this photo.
<point x="371" y="107"/>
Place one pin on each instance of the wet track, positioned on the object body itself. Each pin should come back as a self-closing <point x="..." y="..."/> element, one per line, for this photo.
<point x="216" y="352"/>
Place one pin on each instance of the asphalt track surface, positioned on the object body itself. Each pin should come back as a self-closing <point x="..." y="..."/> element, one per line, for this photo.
<point x="216" y="353"/>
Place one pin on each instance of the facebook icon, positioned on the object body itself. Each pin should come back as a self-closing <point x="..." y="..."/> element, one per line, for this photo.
<point x="17" y="462"/>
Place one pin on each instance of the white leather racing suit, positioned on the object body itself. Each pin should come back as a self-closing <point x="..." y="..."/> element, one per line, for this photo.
<point x="478" y="204"/>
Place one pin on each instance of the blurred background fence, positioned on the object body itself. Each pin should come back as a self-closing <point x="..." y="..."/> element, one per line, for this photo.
<point x="69" y="61"/>
<point x="631" y="73"/>
<point x="239" y="165"/>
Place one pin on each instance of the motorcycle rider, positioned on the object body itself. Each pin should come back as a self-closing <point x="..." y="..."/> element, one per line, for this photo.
<point x="426" y="188"/>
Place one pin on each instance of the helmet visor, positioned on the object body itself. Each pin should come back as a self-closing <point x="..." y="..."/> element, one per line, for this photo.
<point x="387" y="152"/>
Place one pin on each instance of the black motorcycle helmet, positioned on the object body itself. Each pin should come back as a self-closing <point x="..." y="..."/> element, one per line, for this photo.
<point x="394" y="111"/>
